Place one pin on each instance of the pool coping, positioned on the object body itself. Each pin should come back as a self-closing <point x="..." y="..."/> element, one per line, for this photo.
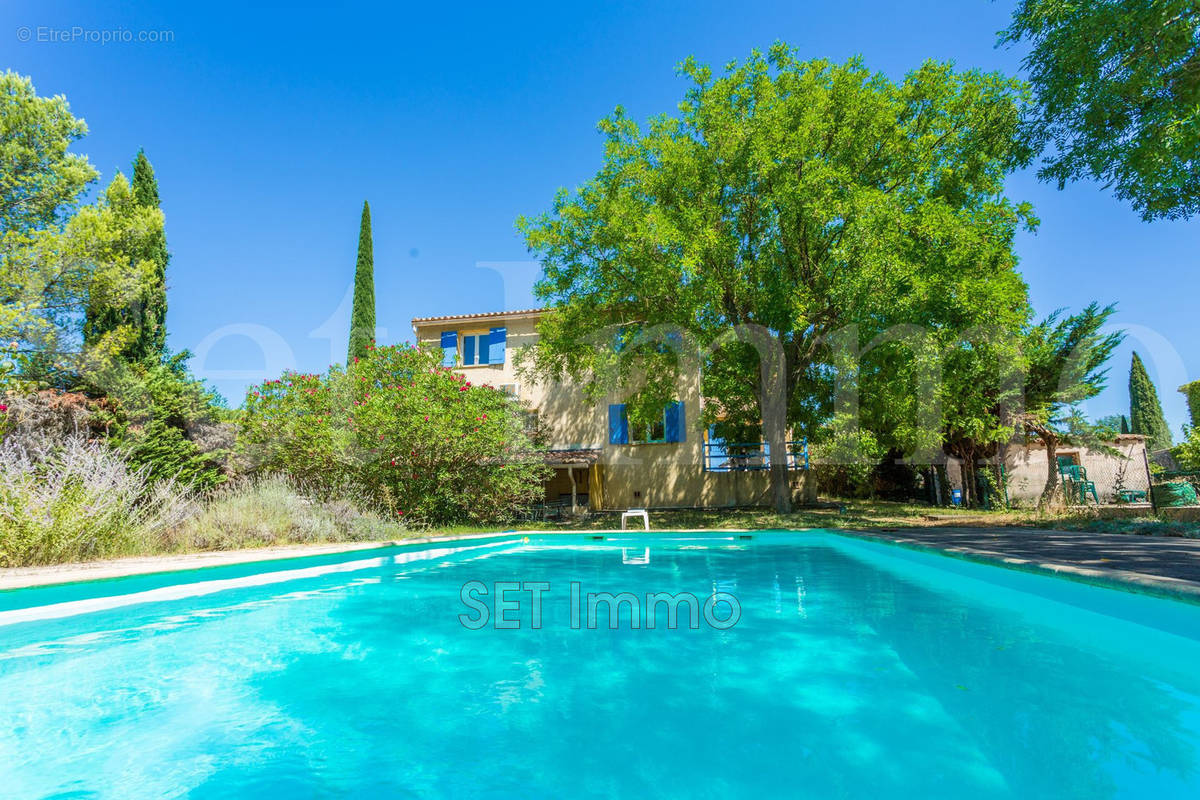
<point x="52" y="575"/>
<point x="12" y="578"/>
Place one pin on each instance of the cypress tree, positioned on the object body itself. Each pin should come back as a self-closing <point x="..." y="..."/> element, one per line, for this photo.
<point x="1124" y="424"/>
<point x="362" y="317"/>
<point x="1192" y="392"/>
<point x="1145" y="412"/>
<point x="152" y="334"/>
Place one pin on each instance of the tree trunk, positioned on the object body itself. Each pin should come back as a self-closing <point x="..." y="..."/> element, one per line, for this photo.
<point x="775" y="431"/>
<point x="1051" y="487"/>
<point x="970" y="490"/>
<point x="773" y="404"/>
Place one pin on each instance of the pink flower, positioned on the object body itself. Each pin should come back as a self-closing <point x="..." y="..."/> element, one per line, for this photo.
<point x="3" y="408"/>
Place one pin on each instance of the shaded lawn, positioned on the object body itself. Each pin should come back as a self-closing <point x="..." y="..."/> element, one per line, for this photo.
<point x="874" y="515"/>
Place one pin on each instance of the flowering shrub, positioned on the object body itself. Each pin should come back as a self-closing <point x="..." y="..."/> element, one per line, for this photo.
<point x="415" y="437"/>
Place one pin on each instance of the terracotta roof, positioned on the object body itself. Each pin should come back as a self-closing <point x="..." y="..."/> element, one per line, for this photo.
<point x="485" y="315"/>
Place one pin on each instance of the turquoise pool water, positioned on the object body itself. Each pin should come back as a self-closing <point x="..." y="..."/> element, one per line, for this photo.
<point x="856" y="670"/>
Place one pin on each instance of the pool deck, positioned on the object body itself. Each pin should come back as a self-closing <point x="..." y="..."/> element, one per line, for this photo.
<point x="1165" y="565"/>
<point x="26" y="577"/>
<point x="1161" y="565"/>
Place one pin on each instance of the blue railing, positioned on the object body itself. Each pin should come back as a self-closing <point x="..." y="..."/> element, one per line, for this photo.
<point x="722" y="457"/>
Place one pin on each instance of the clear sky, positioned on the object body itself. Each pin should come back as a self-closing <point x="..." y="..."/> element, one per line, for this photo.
<point x="269" y="126"/>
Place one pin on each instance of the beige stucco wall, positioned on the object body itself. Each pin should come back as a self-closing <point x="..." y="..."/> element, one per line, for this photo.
<point x="664" y="475"/>
<point x="570" y="421"/>
<point x="655" y="480"/>
<point x="1026" y="464"/>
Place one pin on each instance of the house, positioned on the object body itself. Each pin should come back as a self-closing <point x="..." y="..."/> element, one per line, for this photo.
<point x="598" y="462"/>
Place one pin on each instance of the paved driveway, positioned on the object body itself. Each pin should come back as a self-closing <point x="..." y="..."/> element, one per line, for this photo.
<point x="1157" y="563"/>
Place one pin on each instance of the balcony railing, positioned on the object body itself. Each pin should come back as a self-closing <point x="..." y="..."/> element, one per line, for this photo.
<point x="722" y="457"/>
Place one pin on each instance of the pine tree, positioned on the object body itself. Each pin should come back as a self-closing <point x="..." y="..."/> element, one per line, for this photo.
<point x="362" y="317"/>
<point x="1145" y="412"/>
<point x="147" y="313"/>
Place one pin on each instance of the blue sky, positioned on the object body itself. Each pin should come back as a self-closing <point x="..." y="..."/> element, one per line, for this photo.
<point x="269" y="126"/>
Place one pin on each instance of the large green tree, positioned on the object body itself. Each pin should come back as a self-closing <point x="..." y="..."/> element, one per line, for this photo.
<point x="787" y="201"/>
<point x="41" y="184"/>
<point x="362" y="316"/>
<point x="1066" y="359"/>
<point x="1118" y="96"/>
<point x="144" y="314"/>
<point x="1145" y="411"/>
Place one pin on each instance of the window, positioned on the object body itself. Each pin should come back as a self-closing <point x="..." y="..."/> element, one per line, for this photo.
<point x="475" y="349"/>
<point x="655" y="432"/>
<point x="530" y="422"/>
<point x="482" y="348"/>
<point x="668" y="429"/>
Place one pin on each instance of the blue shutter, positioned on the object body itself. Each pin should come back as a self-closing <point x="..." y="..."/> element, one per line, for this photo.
<point x="496" y="343"/>
<point x="469" y="351"/>
<point x="618" y="424"/>
<point x="674" y="422"/>
<point x="449" y="348"/>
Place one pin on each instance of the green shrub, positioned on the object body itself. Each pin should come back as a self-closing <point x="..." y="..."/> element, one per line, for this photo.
<point x="169" y="423"/>
<point x="71" y="500"/>
<point x="1187" y="452"/>
<point x="272" y="510"/>
<point x="408" y="434"/>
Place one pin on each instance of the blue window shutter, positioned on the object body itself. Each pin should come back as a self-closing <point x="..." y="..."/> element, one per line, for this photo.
<point x="618" y="424"/>
<point x="497" y="340"/>
<point x="674" y="422"/>
<point x="449" y="348"/>
<point x="468" y="350"/>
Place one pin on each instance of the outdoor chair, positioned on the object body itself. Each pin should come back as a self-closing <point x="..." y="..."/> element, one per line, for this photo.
<point x="1075" y="479"/>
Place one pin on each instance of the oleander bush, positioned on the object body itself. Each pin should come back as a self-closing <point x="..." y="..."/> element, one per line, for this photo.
<point x="400" y="431"/>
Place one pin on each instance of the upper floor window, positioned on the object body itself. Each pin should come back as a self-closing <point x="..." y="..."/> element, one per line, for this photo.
<point x="474" y="348"/>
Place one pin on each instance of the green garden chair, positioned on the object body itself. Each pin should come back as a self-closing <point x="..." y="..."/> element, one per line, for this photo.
<point x="1075" y="479"/>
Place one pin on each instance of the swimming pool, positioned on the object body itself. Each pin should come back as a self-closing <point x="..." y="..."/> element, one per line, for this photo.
<point x="853" y="669"/>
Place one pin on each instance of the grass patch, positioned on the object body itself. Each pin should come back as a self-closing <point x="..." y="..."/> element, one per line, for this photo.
<point x="878" y="515"/>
